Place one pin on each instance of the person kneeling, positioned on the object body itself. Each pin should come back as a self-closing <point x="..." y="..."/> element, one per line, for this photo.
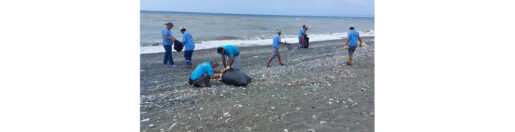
<point x="203" y="74"/>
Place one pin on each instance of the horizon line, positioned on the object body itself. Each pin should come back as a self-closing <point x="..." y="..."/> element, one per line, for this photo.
<point x="246" y="14"/>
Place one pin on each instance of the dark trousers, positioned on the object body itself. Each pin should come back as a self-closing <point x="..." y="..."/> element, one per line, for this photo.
<point x="204" y="79"/>
<point x="187" y="56"/>
<point x="168" y="55"/>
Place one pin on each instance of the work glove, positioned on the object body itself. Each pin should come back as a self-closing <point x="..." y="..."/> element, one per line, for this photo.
<point x="227" y="68"/>
<point x="345" y="48"/>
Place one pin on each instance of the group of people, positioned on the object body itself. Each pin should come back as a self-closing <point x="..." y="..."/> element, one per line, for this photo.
<point x="205" y="71"/>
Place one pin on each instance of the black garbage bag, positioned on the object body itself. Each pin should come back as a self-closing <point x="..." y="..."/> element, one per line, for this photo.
<point x="306" y="43"/>
<point x="177" y="45"/>
<point x="235" y="77"/>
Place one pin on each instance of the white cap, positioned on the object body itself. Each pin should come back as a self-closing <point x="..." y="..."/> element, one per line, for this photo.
<point x="182" y="28"/>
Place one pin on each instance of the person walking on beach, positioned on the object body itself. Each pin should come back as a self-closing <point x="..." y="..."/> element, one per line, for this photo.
<point x="276" y="44"/>
<point x="352" y="42"/>
<point x="168" y="40"/>
<point x="302" y="35"/>
<point x="232" y="53"/>
<point x="203" y="74"/>
<point x="189" y="46"/>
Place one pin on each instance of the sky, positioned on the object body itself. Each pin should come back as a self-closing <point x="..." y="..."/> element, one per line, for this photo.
<point x="350" y="8"/>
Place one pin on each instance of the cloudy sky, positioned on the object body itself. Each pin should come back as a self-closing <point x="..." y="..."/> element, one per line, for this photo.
<point x="353" y="8"/>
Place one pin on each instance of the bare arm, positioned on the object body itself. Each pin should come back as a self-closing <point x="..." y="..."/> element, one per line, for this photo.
<point x="217" y="71"/>
<point x="223" y="62"/>
<point x="359" y="38"/>
<point x="215" y="77"/>
<point x="171" y="39"/>
<point x="281" y="42"/>
<point x="347" y="41"/>
<point x="230" y="60"/>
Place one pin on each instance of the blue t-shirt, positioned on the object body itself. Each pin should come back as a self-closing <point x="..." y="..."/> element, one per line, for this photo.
<point x="230" y="51"/>
<point x="353" y="37"/>
<point x="168" y="33"/>
<point x="302" y="32"/>
<point x="201" y="69"/>
<point x="277" y="39"/>
<point x="187" y="40"/>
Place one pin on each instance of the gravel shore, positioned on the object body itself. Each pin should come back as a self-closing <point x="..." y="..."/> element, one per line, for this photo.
<point x="314" y="91"/>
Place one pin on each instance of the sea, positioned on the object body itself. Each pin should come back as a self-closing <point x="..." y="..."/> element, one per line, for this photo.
<point x="211" y="30"/>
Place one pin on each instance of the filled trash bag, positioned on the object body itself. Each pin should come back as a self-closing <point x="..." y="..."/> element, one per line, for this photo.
<point x="177" y="45"/>
<point x="235" y="77"/>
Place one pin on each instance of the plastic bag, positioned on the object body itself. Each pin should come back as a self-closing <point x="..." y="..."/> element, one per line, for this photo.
<point x="235" y="77"/>
<point x="177" y="45"/>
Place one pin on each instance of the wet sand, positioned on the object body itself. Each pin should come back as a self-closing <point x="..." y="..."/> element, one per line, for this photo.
<point x="314" y="91"/>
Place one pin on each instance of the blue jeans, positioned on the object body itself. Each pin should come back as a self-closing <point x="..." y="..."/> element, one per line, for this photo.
<point x="236" y="62"/>
<point x="300" y="43"/>
<point x="168" y="55"/>
<point x="187" y="56"/>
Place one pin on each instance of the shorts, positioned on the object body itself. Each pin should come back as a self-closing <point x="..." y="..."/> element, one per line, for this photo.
<point x="204" y="79"/>
<point x="351" y="50"/>
<point x="276" y="53"/>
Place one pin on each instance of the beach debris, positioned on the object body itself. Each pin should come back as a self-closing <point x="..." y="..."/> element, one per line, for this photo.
<point x="323" y="122"/>
<point x="229" y="127"/>
<point x="314" y="117"/>
<point x="162" y="130"/>
<point x="227" y="114"/>
<point x="284" y="96"/>
<point x="145" y="120"/>
<point x="151" y="125"/>
<point x="311" y="130"/>
<point x="273" y="108"/>
<point x="285" y="130"/>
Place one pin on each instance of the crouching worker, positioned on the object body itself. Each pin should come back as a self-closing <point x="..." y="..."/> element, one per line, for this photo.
<point x="203" y="74"/>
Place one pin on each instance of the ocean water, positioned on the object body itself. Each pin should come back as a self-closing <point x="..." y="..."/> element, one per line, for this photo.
<point x="214" y="30"/>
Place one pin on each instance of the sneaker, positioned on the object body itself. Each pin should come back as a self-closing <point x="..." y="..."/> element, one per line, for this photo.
<point x="348" y="63"/>
<point x="173" y="66"/>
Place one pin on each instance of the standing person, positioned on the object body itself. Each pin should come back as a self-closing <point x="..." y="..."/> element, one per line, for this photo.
<point x="276" y="44"/>
<point x="352" y="42"/>
<point x="189" y="46"/>
<point x="168" y="40"/>
<point x="302" y="33"/>
<point x="306" y="38"/>
<point x="203" y="74"/>
<point x="232" y="53"/>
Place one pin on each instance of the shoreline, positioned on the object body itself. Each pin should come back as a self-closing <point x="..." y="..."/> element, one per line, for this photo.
<point x="159" y="48"/>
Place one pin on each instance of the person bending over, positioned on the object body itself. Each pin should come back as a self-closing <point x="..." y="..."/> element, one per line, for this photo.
<point x="232" y="53"/>
<point x="203" y="74"/>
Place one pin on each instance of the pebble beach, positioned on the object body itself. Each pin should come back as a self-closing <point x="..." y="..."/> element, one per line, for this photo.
<point x="314" y="91"/>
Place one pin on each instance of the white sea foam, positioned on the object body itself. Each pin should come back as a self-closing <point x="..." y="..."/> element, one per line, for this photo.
<point x="256" y="42"/>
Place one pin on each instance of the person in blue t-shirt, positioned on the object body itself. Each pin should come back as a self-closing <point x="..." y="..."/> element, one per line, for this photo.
<point x="189" y="46"/>
<point x="352" y="42"/>
<point x="232" y="53"/>
<point x="203" y="74"/>
<point x="168" y="40"/>
<point x="302" y="36"/>
<point x="276" y="44"/>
